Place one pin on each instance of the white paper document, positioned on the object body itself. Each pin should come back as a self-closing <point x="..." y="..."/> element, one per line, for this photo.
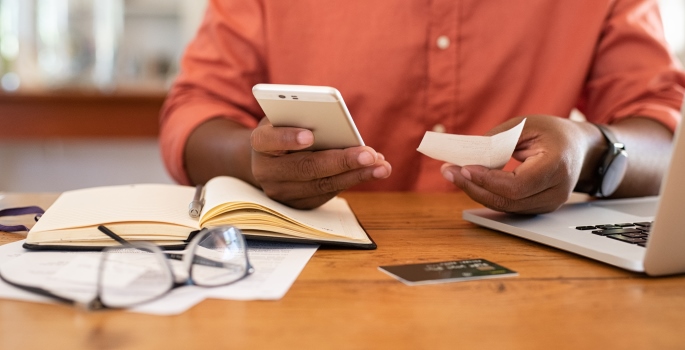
<point x="73" y="275"/>
<point x="489" y="151"/>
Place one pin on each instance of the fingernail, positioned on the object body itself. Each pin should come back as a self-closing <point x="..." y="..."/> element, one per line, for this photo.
<point x="305" y="138"/>
<point x="366" y="158"/>
<point x="448" y="175"/>
<point x="381" y="172"/>
<point x="466" y="174"/>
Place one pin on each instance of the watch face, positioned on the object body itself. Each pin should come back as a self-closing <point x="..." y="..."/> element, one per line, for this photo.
<point x="614" y="174"/>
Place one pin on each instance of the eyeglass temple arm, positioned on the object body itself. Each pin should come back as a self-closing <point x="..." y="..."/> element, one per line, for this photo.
<point x="175" y="256"/>
<point x="114" y="236"/>
<point x="196" y="259"/>
<point x="94" y="304"/>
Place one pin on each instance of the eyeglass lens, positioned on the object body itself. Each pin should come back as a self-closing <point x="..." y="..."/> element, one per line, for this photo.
<point x="220" y="257"/>
<point x="132" y="275"/>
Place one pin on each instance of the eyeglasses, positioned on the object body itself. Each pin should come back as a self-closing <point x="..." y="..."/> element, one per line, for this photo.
<point x="135" y="273"/>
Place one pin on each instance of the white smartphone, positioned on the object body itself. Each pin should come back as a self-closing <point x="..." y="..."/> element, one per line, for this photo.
<point x="320" y="109"/>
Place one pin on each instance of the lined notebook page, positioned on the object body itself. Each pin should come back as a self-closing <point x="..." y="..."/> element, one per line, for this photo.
<point x="334" y="217"/>
<point x="109" y="204"/>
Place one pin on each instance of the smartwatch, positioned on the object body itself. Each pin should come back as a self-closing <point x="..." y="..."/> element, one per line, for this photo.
<point x="612" y="167"/>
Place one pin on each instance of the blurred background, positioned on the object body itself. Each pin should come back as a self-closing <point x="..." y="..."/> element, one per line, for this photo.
<point x="81" y="85"/>
<point x="82" y="82"/>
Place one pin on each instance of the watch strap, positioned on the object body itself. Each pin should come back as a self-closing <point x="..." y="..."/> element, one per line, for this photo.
<point x="614" y="150"/>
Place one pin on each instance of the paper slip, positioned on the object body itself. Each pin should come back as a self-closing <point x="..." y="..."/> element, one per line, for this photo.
<point x="489" y="151"/>
<point x="73" y="275"/>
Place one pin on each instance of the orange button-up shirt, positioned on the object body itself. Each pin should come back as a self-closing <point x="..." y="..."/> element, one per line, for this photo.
<point x="405" y="67"/>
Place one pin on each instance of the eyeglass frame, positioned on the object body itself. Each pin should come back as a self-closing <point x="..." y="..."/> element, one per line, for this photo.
<point x="97" y="304"/>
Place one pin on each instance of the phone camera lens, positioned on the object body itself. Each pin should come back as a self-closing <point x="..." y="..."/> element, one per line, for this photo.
<point x="281" y="96"/>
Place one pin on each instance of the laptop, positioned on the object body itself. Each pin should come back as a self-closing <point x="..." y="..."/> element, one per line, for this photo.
<point x="640" y="234"/>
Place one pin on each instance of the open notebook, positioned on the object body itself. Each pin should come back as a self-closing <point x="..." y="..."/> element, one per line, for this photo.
<point x="159" y="213"/>
<point x="641" y="234"/>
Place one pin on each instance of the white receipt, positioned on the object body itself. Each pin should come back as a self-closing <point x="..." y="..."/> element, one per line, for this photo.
<point x="489" y="151"/>
<point x="74" y="276"/>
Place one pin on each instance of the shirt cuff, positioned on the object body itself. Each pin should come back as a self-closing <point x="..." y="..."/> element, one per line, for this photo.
<point x="658" y="112"/>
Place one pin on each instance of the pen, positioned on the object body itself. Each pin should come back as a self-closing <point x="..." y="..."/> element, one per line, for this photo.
<point x="195" y="206"/>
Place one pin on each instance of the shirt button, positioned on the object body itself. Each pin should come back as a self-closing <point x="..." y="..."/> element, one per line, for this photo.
<point x="439" y="128"/>
<point x="443" y="42"/>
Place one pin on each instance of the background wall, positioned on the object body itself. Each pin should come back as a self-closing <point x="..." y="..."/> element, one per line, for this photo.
<point x="157" y="31"/>
<point x="59" y="165"/>
<point x="673" y="15"/>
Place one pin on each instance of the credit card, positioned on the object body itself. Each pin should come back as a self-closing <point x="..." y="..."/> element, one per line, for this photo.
<point x="447" y="271"/>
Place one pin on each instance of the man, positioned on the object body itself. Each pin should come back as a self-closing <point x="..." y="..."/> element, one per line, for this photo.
<point x="405" y="67"/>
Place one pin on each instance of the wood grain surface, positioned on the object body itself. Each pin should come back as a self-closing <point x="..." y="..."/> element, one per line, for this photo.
<point x="342" y="301"/>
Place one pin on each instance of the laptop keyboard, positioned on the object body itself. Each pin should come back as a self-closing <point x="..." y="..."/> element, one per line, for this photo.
<point x="633" y="233"/>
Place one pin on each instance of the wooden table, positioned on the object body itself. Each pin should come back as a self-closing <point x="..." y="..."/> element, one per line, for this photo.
<point x="341" y="300"/>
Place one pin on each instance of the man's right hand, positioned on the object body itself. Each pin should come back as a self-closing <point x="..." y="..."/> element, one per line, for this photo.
<point x="305" y="179"/>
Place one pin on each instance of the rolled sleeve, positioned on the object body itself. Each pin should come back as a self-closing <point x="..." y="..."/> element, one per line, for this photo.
<point x="177" y="127"/>
<point x="218" y="70"/>
<point x="635" y="73"/>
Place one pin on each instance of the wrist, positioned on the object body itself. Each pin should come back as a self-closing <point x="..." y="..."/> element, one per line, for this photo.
<point x="596" y="147"/>
<point x="604" y="178"/>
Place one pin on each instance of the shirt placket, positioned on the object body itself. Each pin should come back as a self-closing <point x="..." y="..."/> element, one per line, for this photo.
<point x="442" y="84"/>
<point x="443" y="50"/>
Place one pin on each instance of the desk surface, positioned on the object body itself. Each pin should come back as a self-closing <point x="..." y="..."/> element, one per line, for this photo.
<point x="341" y="300"/>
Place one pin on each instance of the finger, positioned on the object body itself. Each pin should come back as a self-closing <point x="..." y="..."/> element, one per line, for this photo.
<point x="293" y="190"/>
<point x="542" y="202"/>
<point x="307" y="166"/>
<point x="535" y="174"/>
<point x="270" y="139"/>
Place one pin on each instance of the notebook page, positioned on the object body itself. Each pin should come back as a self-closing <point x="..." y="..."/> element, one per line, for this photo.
<point x="101" y="205"/>
<point x="334" y="217"/>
